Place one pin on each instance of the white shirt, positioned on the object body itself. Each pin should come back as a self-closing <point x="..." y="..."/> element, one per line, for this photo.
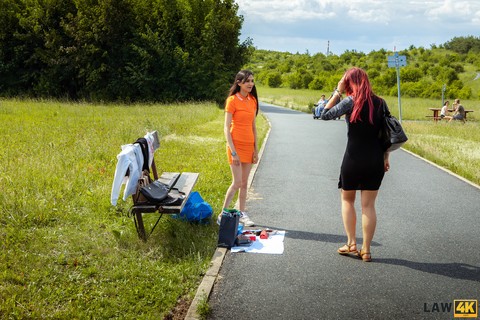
<point x="443" y="112"/>
<point x="130" y="158"/>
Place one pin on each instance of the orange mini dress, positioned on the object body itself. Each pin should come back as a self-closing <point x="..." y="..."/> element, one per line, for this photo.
<point x="243" y="112"/>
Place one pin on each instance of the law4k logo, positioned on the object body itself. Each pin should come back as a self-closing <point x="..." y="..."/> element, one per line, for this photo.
<point x="465" y="308"/>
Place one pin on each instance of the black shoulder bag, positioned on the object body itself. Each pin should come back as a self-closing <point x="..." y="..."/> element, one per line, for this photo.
<point x="392" y="135"/>
<point x="155" y="192"/>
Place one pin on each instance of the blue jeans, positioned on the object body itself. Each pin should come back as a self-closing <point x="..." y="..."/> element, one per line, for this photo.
<point x="318" y="111"/>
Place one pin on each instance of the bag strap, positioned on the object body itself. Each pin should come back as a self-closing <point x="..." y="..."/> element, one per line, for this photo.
<point x="386" y="111"/>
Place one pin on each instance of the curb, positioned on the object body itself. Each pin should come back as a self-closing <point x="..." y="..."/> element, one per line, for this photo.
<point x="206" y="286"/>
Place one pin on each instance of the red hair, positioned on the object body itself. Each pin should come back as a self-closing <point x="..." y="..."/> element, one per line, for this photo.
<point x="358" y="86"/>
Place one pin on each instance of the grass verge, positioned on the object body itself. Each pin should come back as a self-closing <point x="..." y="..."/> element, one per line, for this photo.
<point x="65" y="251"/>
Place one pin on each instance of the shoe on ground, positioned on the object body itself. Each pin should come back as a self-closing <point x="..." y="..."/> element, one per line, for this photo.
<point x="246" y="220"/>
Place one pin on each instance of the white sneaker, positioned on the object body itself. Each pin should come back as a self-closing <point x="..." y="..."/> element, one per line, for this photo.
<point x="246" y="220"/>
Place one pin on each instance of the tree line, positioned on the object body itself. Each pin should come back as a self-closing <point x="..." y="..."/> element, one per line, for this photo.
<point x="179" y="50"/>
<point x="426" y="72"/>
<point x="120" y="50"/>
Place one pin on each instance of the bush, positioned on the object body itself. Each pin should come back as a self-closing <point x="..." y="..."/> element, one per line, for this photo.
<point x="274" y="79"/>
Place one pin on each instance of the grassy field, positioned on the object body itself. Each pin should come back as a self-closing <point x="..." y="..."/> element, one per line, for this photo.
<point x="65" y="251"/>
<point x="412" y="108"/>
<point x="455" y="146"/>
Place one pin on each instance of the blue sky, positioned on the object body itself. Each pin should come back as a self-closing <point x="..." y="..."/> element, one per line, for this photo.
<point x="362" y="25"/>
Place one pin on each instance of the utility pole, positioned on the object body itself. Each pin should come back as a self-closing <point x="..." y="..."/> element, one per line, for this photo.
<point x="444" y="88"/>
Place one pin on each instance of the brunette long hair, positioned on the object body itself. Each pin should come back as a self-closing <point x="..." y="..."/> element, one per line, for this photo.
<point x="241" y="77"/>
<point x="358" y="86"/>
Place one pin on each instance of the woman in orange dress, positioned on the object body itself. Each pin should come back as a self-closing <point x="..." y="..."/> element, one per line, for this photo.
<point x="241" y="109"/>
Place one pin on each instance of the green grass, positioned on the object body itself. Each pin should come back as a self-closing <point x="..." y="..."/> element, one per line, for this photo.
<point x="455" y="146"/>
<point x="301" y="100"/>
<point x="65" y="251"/>
<point x="412" y="108"/>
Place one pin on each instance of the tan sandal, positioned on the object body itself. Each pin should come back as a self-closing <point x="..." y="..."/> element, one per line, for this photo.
<point x="347" y="249"/>
<point x="365" y="256"/>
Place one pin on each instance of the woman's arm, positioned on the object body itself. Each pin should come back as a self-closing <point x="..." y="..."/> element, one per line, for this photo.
<point x="386" y="161"/>
<point x="338" y="109"/>
<point x="331" y="111"/>
<point x="228" y="136"/>
<point x="255" y="150"/>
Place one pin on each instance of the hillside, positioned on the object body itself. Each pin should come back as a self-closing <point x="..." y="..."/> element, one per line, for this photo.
<point x="455" y="64"/>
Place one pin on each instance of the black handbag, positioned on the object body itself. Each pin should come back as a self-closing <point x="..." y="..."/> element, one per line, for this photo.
<point x="155" y="192"/>
<point x="227" y="234"/>
<point x="392" y="134"/>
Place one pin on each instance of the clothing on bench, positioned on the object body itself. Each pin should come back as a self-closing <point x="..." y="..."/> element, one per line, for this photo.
<point x="132" y="171"/>
<point x="129" y="167"/>
<point x="131" y="160"/>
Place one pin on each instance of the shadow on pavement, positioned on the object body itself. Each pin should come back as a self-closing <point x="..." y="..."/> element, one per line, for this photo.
<point x="452" y="270"/>
<point x="322" y="237"/>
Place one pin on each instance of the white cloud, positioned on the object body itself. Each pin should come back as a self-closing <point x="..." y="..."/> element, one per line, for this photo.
<point x="451" y="10"/>
<point x="286" y="11"/>
<point x="363" y="25"/>
<point x="476" y="18"/>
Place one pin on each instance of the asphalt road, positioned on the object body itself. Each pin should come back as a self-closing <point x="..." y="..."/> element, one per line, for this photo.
<point x="426" y="249"/>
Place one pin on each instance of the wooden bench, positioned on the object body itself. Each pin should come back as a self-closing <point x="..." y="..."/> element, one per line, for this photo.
<point x="181" y="184"/>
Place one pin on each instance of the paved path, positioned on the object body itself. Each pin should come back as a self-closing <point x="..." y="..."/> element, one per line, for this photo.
<point x="425" y="250"/>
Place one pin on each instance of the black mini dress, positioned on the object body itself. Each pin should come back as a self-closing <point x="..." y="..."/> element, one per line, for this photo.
<point x="363" y="162"/>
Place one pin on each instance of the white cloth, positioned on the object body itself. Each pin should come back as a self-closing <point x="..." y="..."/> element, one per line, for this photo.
<point x="151" y="150"/>
<point x="130" y="158"/>
<point x="272" y="245"/>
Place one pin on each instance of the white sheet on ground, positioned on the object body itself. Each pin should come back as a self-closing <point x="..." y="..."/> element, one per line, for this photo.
<point x="272" y="245"/>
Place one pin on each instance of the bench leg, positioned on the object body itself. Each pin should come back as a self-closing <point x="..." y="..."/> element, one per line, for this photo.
<point x="137" y="217"/>
<point x="139" y="225"/>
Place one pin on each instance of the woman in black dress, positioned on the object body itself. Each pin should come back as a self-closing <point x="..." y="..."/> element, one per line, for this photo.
<point x="365" y="160"/>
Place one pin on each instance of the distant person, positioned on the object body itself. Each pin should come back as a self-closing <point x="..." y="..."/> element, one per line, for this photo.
<point x="459" y="113"/>
<point x="319" y="106"/>
<point x="322" y="102"/>
<point x="444" y="112"/>
<point x="241" y="109"/>
<point x="365" y="160"/>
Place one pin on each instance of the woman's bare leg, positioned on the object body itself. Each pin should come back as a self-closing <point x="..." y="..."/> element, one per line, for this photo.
<point x="242" y="196"/>
<point x="349" y="216"/>
<point x="236" y="184"/>
<point x="369" y="217"/>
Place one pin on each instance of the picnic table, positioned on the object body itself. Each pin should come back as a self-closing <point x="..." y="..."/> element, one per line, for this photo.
<point x="436" y="113"/>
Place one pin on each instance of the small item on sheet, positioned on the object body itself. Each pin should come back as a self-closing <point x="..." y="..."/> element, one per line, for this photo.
<point x="250" y="235"/>
<point x="264" y="234"/>
<point x="243" y="241"/>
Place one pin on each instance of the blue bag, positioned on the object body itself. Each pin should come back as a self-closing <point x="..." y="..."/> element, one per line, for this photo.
<point x="196" y="209"/>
